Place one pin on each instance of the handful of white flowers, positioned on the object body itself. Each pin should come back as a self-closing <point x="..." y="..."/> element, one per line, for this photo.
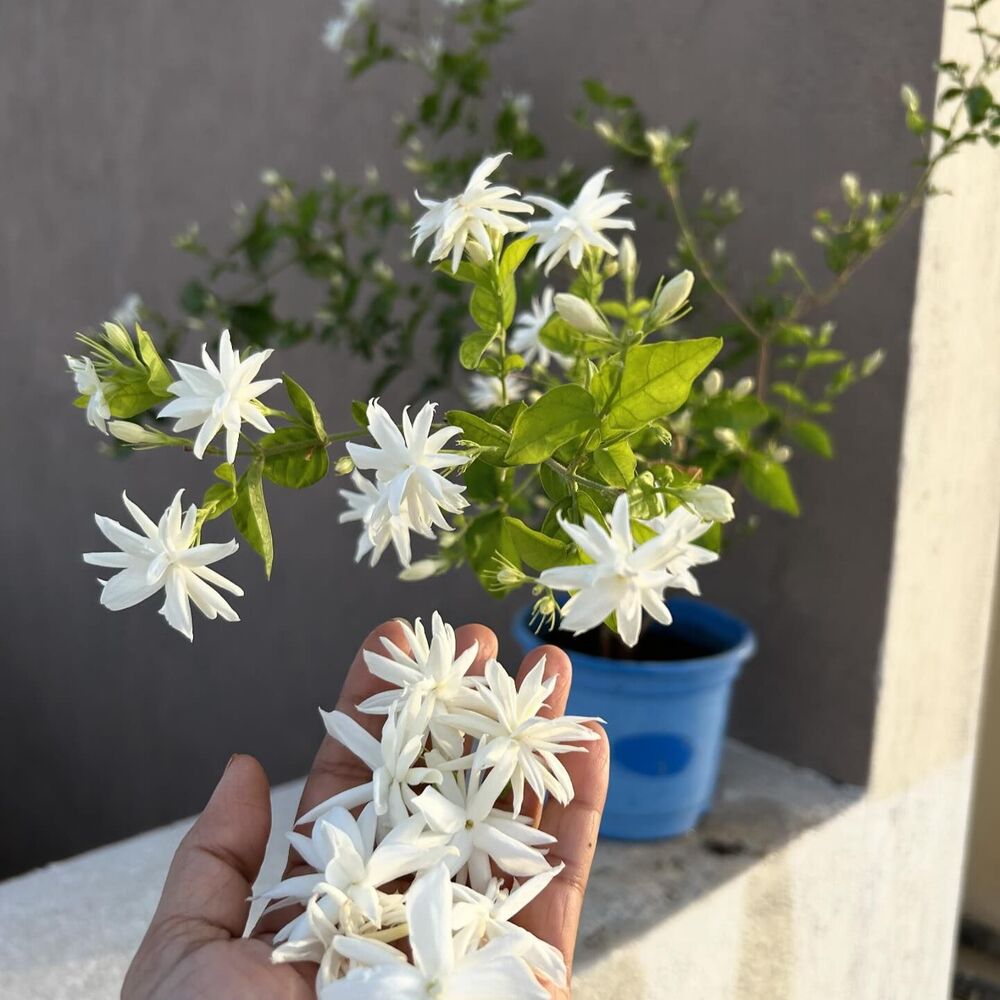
<point x="571" y="472"/>
<point x="437" y="810"/>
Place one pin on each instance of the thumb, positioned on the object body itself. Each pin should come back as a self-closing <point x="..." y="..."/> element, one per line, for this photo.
<point x="213" y="871"/>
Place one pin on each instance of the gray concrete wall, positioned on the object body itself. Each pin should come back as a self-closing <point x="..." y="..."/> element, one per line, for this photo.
<point x="121" y="121"/>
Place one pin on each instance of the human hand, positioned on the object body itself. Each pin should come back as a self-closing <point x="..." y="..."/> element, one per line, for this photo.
<point x="194" y="947"/>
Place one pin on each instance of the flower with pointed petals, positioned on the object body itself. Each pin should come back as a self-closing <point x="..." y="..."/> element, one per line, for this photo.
<point x="370" y="505"/>
<point x="572" y="230"/>
<point x="441" y="969"/>
<point x="88" y="383"/>
<point x="431" y="673"/>
<point x="407" y="468"/>
<point x="484" y="391"/>
<point x="165" y="556"/>
<point x="463" y="810"/>
<point x="623" y="578"/>
<point x="350" y="868"/>
<point x="489" y="915"/>
<point x="472" y="217"/>
<point x="392" y="762"/>
<point x="515" y="739"/>
<point x="525" y="334"/>
<point x="219" y="396"/>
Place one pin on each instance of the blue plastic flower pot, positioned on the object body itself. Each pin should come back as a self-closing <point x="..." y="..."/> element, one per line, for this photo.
<point x="666" y="719"/>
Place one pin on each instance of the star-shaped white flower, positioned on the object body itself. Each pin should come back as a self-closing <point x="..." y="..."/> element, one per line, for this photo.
<point x="407" y="468"/>
<point x="350" y="868"/>
<point x="392" y="761"/>
<point x="219" y="396"/>
<point x="463" y="809"/>
<point x="164" y="556"/>
<point x="379" y="526"/>
<point x="525" y="333"/>
<point x="88" y="383"/>
<point x="515" y="739"/>
<point x="489" y="914"/>
<point x="624" y="578"/>
<point x="480" y="211"/>
<point x="442" y="968"/>
<point x="572" y="230"/>
<point x="484" y="391"/>
<point x="432" y="673"/>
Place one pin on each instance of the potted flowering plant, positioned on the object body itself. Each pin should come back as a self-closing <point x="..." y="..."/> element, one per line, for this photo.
<point x="594" y="463"/>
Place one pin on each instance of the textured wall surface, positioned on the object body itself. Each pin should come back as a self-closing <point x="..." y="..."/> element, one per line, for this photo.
<point x="122" y="121"/>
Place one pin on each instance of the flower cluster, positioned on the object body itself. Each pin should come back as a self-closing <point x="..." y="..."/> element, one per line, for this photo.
<point x="437" y="815"/>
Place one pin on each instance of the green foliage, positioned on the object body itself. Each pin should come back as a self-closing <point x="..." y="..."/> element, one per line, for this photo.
<point x="294" y="457"/>
<point x="556" y="418"/>
<point x="250" y="514"/>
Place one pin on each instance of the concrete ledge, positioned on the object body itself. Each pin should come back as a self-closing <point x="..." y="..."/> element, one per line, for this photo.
<point x="68" y="931"/>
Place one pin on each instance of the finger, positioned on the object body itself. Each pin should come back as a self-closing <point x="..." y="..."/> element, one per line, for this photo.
<point x="555" y="915"/>
<point x="212" y="873"/>
<point x="557" y="665"/>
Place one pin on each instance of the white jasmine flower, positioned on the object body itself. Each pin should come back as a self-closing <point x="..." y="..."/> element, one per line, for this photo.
<point x="525" y="334"/>
<point x="515" y="739"/>
<point x="350" y="868"/>
<point x="370" y="506"/>
<point x="484" y="392"/>
<point x="392" y="761"/>
<point x="622" y="578"/>
<point x="309" y="938"/>
<point x="165" y="557"/>
<point x="479" y="211"/>
<point x="728" y="438"/>
<point x="88" y="383"/>
<point x="219" y="396"/>
<point x="489" y="915"/>
<point x="712" y="503"/>
<point x="430" y="673"/>
<point x="462" y="809"/>
<point x="406" y="465"/>
<point x="572" y="230"/>
<point x="126" y="313"/>
<point x="440" y="969"/>
<point x="334" y="32"/>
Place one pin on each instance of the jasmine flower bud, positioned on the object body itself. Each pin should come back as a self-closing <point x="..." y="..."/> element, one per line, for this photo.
<point x="580" y="314"/>
<point x="743" y="387"/>
<point x="671" y="298"/>
<point x="712" y="383"/>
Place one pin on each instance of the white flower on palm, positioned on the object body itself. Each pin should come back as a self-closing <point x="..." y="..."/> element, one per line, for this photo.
<point x="391" y="761"/>
<point x="219" y="396"/>
<point x="623" y="578"/>
<point x="350" y="868"/>
<point x="489" y="914"/>
<point x="431" y="673"/>
<point x="525" y="336"/>
<point x="407" y="468"/>
<point x="572" y="230"/>
<point x="165" y="556"/>
<point x="484" y="392"/>
<point x="88" y="383"/>
<point x="370" y="505"/>
<point x="515" y="739"/>
<point x="480" y="212"/>
<point x="463" y="809"/>
<point x="309" y="938"/>
<point x="442" y="967"/>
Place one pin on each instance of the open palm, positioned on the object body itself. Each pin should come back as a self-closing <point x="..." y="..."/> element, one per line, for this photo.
<point x="195" y="946"/>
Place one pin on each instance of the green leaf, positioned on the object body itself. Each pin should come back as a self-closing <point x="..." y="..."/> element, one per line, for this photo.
<point x="159" y="374"/>
<point x="557" y="335"/>
<point x="250" y="514"/>
<point x="616" y="464"/>
<point x="768" y="481"/>
<point x="514" y="255"/>
<point x="131" y="399"/>
<point x="495" y="440"/>
<point x="359" y="411"/>
<point x="563" y="413"/>
<point x="219" y="497"/>
<point x="474" y="346"/>
<point x="295" y="469"/>
<point x="537" y="550"/>
<point x="482" y="482"/>
<point x="226" y="473"/>
<point x="978" y="102"/>
<point x="814" y="437"/>
<point x="555" y="486"/>
<point x="194" y="298"/>
<point x="304" y="405"/>
<point x="655" y="381"/>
